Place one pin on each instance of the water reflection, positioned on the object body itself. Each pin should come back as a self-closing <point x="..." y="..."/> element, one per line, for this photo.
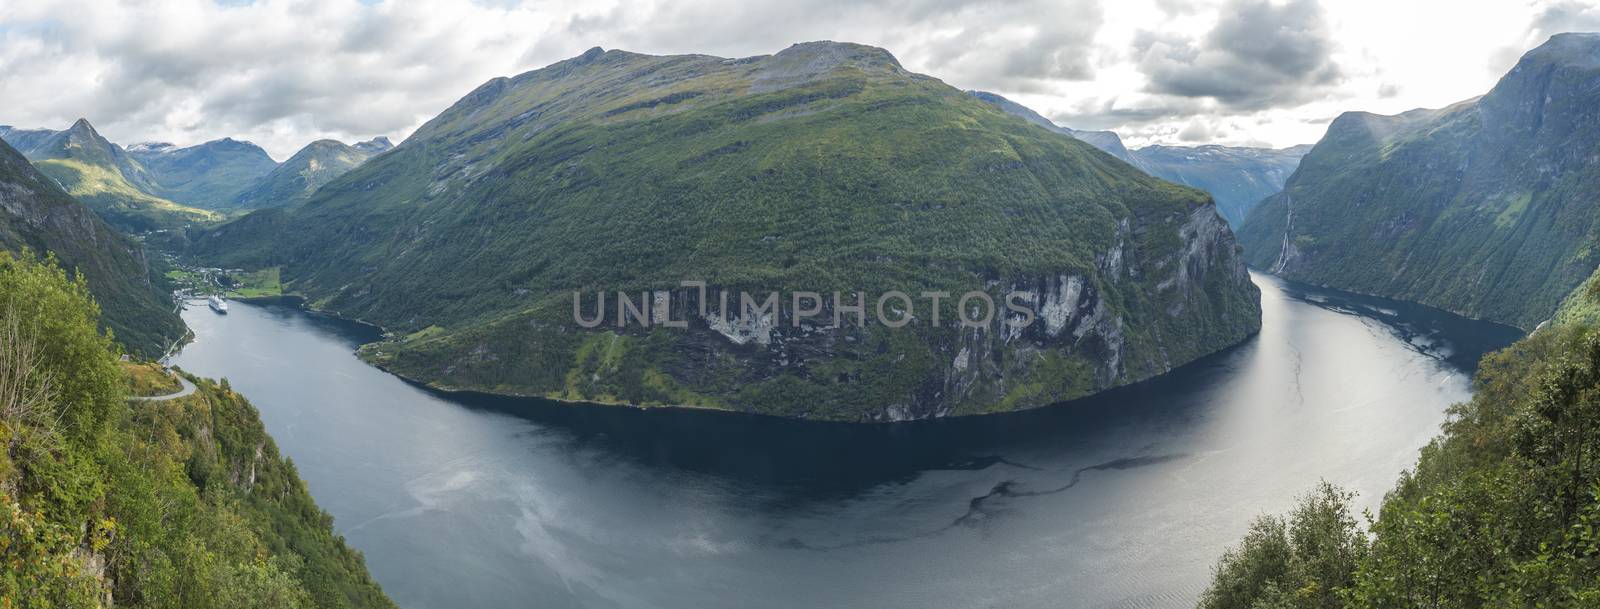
<point x="1120" y="500"/>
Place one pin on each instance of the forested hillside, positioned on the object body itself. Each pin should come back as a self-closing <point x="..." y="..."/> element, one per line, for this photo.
<point x="182" y="503"/>
<point x="35" y="214"/>
<point x="1502" y="510"/>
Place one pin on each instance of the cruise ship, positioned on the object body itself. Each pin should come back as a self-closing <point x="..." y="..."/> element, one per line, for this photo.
<point x="218" y="304"/>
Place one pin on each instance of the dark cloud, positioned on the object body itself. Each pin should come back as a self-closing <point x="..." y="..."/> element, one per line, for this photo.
<point x="1260" y="55"/>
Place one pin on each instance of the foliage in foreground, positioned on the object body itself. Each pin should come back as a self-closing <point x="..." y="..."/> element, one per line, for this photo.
<point x="1502" y="510"/>
<point x="183" y="503"/>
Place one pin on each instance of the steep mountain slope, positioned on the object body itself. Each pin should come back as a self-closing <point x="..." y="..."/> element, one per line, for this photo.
<point x="1238" y="178"/>
<point x="103" y="176"/>
<point x="207" y="176"/>
<point x="36" y="214"/>
<point x="1485" y="207"/>
<point x="176" y="502"/>
<point x="316" y="164"/>
<point x="1107" y="141"/>
<point x="826" y="167"/>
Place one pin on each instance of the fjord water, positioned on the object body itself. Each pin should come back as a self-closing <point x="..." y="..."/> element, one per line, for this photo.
<point x="1123" y="500"/>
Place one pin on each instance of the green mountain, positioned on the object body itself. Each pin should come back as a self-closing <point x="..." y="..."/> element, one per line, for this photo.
<point x="1485" y="207"/>
<point x="176" y="502"/>
<point x="1107" y="141"/>
<point x="207" y="176"/>
<point x="1237" y="178"/>
<point x="36" y="214"/>
<point x="103" y="176"/>
<point x="316" y="164"/>
<point x="825" y="167"/>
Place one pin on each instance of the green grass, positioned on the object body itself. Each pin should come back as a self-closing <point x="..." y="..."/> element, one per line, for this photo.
<point x="262" y="283"/>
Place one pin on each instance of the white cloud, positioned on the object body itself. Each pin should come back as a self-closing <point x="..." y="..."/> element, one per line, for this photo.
<point x="284" y="72"/>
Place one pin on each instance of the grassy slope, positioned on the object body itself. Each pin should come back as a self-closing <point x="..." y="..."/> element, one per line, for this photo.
<point x="107" y="192"/>
<point x="624" y="171"/>
<point x="1484" y="208"/>
<point x="40" y="217"/>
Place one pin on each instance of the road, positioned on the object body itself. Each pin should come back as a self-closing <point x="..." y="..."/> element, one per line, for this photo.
<point x="188" y="389"/>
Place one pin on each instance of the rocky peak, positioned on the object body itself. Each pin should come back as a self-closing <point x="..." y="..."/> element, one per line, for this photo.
<point x="376" y="145"/>
<point x="82" y="126"/>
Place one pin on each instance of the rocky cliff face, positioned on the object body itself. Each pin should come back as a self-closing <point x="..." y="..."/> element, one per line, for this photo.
<point x="823" y="168"/>
<point x="1483" y="208"/>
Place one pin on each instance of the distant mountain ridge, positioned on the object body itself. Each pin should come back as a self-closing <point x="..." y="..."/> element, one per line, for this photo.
<point x="208" y="175"/>
<point x="104" y="176"/>
<point x="155" y="185"/>
<point x="1237" y="178"/>
<point x="36" y="214"/>
<point x="1485" y="207"/>
<point x="314" y="165"/>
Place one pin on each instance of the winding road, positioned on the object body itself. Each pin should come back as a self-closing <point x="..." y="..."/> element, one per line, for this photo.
<point x="188" y="389"/>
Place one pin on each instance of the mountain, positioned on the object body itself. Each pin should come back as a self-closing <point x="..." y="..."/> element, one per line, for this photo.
<point x="825" y="167"/>
<point x="206" y="176"/>
<point x="316" y="164"/>
<point x="1485" y="207"/>
<point x="374" y="146"/>
<point x="1107" y="141"/>
<point x="1238" y="178"/>
<point x="36" y="214"/>
<point x="179" y="499"/>
<point x="103" y="176"/>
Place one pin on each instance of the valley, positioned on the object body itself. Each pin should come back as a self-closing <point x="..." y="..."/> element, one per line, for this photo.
<point x="1221" y="306"/>
<point x="469" y="500"/>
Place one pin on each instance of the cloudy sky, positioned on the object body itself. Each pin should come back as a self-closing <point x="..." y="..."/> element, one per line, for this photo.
<point x="284" y="72"/>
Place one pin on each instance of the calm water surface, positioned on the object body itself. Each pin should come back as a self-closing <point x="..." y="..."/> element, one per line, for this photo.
<point x="1124" y="500"/>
